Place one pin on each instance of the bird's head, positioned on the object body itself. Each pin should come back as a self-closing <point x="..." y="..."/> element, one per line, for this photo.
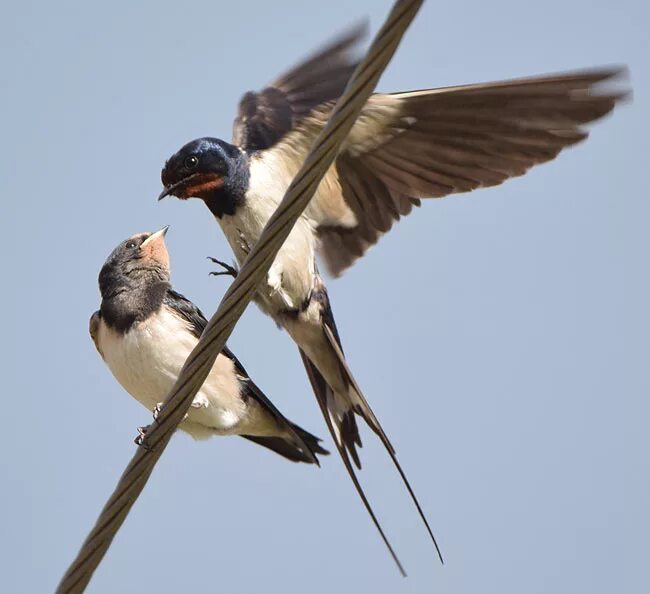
<point x="140" y="261"/>
<point x="200" y="169"/>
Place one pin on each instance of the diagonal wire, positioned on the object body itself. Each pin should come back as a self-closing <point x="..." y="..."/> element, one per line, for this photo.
<point x="238" y="296"/>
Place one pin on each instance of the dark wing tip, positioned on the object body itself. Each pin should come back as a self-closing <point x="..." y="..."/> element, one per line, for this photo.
<point x="338" y="50"/>
<point x="617" y="75"/>
<point x="297" y="444"/>
<point x="264" y="117"/>
<point x="311" y="442"/>
<point x="613" y="71"/>
<point x="285" y="448"/>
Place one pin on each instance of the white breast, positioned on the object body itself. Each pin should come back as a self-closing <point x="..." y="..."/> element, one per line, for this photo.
<point x="147" y="360"/>
<point x="291" y="278"/>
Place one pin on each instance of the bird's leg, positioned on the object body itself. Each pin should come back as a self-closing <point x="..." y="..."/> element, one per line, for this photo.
<point x="227" y="269"/>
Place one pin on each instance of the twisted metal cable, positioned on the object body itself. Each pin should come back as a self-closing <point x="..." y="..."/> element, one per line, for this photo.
<point x="238" y="296"/>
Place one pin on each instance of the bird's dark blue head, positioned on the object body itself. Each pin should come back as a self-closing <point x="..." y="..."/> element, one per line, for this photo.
<point x="210" y="169"/>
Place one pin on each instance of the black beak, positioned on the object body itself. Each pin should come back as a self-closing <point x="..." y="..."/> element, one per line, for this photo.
<point x="171" y="188"/>
<point x="166" y="192"/>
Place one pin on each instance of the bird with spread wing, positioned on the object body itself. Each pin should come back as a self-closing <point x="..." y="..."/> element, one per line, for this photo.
<point x="404" y="147"/>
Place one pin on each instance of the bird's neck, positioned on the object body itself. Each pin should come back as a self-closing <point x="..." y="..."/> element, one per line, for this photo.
<point x="229" y="197"/>
<point x="127" y="306"/>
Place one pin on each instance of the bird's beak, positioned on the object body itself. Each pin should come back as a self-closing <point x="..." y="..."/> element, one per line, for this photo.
<point x="155" y="236"/>
<point x="193" y="185"/>
<point x="171" y="188"/>
<point x="153" y="249"/>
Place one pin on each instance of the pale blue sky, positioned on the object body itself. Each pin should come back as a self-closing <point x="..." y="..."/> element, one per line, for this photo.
<point x="502" y="337"/>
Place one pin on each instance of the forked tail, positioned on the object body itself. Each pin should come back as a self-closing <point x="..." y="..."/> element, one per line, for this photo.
<point x="339" y="411"/>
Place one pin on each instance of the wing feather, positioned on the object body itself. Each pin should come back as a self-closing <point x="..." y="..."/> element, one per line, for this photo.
<point x="264" y="117"/>
<point x="436" y="142"/>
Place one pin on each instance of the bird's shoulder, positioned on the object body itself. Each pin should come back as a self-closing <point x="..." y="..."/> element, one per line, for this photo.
<point x="182" y="307"/>
<point x="93" y="327"/>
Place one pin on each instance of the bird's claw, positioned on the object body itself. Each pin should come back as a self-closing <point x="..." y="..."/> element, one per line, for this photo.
<point x="156" y="410"/>
<point x="227" y="269"/>
<point x="140" y="439"/>
<point x="142" y="431"/>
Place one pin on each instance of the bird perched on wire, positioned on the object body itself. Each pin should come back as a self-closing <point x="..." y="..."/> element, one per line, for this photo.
<point x="404" y="146"/>
<point x="144" y="331"/>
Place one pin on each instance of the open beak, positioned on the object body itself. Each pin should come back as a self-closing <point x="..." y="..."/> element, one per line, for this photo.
<point x="155" y="236"/>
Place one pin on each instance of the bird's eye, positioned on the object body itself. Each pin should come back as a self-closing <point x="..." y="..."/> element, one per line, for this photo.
<point x="131" y="244"/>
<point x="191" y="162"/>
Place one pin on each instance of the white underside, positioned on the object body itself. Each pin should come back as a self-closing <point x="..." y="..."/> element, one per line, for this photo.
<point x="293" y="274"/>
<point x="147" y="360"/>
<point x="291" y="277"/>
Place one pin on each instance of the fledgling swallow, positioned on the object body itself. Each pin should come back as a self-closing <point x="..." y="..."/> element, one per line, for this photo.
<point x="144" y="331"/>
<point x="403" y="147"/>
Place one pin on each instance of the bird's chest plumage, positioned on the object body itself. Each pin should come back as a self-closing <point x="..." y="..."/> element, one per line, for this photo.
<point x="147" y="359"/>
<point x="291" y="277"/>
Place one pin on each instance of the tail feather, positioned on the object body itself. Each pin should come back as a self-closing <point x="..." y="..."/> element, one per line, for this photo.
<point x="349" y="434"/>
<point x="340" y="398"/>
<point x="360" y="404"/>
<point x="289" y="450"/>
<point x="362" y="408"/>
<point x="321" y="389"/>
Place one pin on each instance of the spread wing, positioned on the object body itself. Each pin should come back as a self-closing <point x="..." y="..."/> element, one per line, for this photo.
<point x="266" y="116"/>
<point x="93" y="328"/>
<point x="435" y="142"/>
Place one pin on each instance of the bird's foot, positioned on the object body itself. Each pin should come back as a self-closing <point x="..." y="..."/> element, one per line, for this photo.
<point x="156" y="410"/>
<point x="200" y="401"/>
<point x="140" y="439"/>
<point x="227" y="269"/>
<point x="196" y="403"/>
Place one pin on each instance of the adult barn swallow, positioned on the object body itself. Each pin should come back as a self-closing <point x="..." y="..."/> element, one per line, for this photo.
<point x="403" y="147"/>
<point x="144" y="331"/>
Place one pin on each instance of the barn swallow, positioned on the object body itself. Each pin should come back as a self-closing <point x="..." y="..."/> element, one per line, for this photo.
<point x="403" y="147"/>
<point x="144" y="331"/>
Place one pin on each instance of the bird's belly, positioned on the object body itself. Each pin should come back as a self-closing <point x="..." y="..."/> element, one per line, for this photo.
<point x="147" y="360"/>
<point x="143" y="372"/>
<point x="290" y="280"/>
